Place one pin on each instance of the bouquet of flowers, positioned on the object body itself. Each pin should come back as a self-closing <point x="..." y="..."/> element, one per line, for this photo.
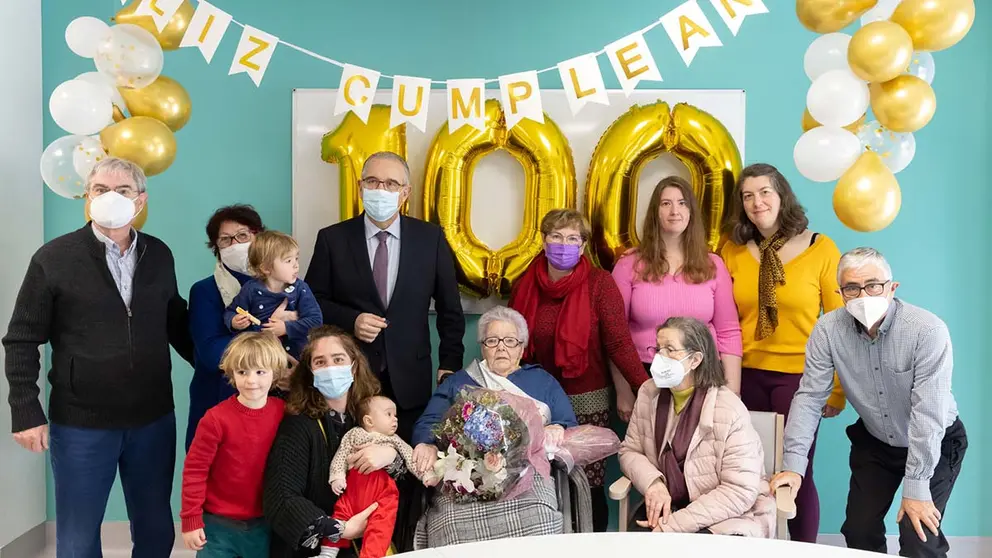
<point x="493" y="446"/>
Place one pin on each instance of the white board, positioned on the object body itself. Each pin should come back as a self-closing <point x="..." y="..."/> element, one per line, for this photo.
<point x="497" y="185"/>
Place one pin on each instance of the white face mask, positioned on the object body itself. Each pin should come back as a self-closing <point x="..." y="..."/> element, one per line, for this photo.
<point x="112" y="210"/>
<point x="868" y="309"/>
<point x="380" y="204"/>
<point x="668" y="372"/>
<point x="235" y="257"/>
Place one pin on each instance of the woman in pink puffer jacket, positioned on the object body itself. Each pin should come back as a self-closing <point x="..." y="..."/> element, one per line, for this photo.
<point x="698" y="462"/>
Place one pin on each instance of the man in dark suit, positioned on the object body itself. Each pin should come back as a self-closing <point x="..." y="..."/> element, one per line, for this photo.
<point x="375" y="275"/>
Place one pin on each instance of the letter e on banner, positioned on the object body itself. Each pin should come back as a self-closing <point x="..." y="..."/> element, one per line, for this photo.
<point x="253" y="54"/>
<point x="632" y="62"/>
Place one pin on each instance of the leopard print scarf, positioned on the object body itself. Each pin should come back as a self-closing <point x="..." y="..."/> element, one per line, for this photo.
<point x="771" y="273"/>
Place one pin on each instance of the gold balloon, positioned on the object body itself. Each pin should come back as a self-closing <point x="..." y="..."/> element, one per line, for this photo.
<point x="880" y="51"/>
<point x="139" y="219"/>
<point x="549" y="177"/>
<point x="935" y="24"/>
<point x="828" y="16"/>
<point x="118" y="115"/>
<point x="903" y="104"/>
<point x="171" y="36"/>
<point x="143" y="140"/>
<point x="350" y="144"/>
<point x="867" y="197"/>
<point x="695" y="137"/>
<point x="809" y="123"/>
<point x="163" y="99"/>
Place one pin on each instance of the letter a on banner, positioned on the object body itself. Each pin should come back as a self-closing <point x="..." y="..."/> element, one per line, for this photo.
<point x="689" y="30"/>
<point x="161" y="11"/>
<point x="465" y="100"/>
<point x="521" y="98"/>
<point x="632" y="62"/>
<point x="733" y="12"/>
<point x="254" y="53"/>
<point x="206" y="29"/>
<point x="411" y="96"/>
<point x="583" y="82"/>
<point x="356" y="91"/>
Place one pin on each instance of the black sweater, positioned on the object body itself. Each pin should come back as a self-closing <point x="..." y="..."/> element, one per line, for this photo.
<point x="111" y="366"/>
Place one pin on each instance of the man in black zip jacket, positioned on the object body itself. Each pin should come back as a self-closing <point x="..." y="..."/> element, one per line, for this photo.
<point x="105" y="297"/>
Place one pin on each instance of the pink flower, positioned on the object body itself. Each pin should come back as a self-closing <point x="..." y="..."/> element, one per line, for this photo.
<point x="467" y="410"/>
<point x="495" y="462"/>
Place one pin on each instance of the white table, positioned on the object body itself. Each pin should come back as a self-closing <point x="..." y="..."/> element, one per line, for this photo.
<point x="635" y="545"/>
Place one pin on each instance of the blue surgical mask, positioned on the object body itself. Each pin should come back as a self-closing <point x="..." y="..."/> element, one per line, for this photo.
<point x="381" y="205"/>
<point x="333" y="381"/>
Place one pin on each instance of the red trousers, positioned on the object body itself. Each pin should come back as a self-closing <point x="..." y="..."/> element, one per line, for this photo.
<point x="361" y="492"/>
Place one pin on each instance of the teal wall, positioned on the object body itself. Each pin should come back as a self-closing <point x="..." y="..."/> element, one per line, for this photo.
<point x="237" y="149"/>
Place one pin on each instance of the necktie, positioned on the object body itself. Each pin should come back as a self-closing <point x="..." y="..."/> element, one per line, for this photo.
<point x="380" y="267"/>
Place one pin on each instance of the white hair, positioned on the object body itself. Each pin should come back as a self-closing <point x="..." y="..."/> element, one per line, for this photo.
<point x="115" y="165"/>
<point x="386" y="156"/>
<point x="503" y="314"/>
<point x="860" y="257"/>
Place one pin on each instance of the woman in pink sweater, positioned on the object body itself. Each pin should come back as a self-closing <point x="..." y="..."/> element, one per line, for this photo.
<point x="672" y="273"/>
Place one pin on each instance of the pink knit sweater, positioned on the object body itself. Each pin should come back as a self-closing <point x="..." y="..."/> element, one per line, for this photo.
<point x="648" y="305"/>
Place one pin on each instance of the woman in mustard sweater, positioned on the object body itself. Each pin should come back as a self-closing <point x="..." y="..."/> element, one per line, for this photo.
<point x="784" y="276"/>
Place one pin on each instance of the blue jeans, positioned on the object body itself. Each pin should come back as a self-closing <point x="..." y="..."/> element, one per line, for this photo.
<point x="85" y="462"/>
<point x="229" y="538"/>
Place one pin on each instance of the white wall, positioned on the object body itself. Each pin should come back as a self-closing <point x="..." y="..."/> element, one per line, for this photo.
<point x="22" y="474"/>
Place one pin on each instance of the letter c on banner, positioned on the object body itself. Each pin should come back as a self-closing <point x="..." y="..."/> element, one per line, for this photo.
<point x="693" y="136"/>
<point x="351" y="143"/>
<point x="549" y="172"/>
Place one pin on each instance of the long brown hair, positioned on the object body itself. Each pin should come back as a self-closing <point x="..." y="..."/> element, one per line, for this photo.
<point x="696" y="337"/>
<point x="652" y="263"/>
<point x="791" y="214"/>
<point x="304" y="399"/>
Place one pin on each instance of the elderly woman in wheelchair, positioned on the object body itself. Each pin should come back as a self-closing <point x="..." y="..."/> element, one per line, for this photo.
<point x="503" y="337"/>
<point x="690" y="447"/>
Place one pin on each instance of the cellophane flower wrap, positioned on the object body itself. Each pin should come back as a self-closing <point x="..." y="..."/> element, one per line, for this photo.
<point x="586" y="444"/>
<point x="490" y="446"/>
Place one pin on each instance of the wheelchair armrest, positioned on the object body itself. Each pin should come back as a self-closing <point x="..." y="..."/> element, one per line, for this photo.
<point x="620" y="489"/>
<point x="785" y="502"/>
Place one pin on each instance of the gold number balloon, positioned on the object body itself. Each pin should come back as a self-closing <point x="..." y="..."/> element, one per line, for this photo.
<point x="139" y="219"/>
<point x="828" y="16"/>
<point x="880" y="51"/>
<point x="549" y="174"/>
<point x="172" y="35"/>
<point x="867" y="197"/>
<point x="163" y="99"/>
<point x="143" y="140"/>
<point x="904" y="104"/>
<point x="351" y="143"/>
<point x="695" y="137"/>
<point x="935" y="24"/>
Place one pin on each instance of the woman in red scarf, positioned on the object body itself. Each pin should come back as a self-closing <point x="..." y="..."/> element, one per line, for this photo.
<point x="577" y="326"/>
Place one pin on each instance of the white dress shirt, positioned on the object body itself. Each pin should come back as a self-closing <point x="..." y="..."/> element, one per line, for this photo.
<point x="392" y="243"/>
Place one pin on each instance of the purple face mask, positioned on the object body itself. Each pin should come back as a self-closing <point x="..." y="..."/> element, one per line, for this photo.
<point x="563" y="257"/>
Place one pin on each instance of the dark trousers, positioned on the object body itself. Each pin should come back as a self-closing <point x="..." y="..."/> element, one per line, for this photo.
<point x="764" y="390"/>
<point x="85" y="462"/>
<point x="411" y="490"/>
<point x="877" y="469"/>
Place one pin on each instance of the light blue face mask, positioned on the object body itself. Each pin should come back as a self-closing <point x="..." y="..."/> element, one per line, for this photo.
<point x="381" y="205"/>
<point x="333" y="381"/>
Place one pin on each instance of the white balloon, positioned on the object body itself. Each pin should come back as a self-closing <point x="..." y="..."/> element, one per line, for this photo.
<point x="89" y="152"/>
<point x="823" y="154"/>
<point x="828" y="52"/>
<point x="129" y="55"/>
<point x="882" y="11"/>
<point x="83" y="34"/>
<point x="58" y="169"/>
<point x="837" y="98"/>
<point x="922" y="66"/>
<point x="107" y="84"/>
<point x="894" y="148"/>
<point x="80" y="107"/>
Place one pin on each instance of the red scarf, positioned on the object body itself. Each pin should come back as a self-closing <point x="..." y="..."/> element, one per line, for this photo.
<point x="574" y="324"/>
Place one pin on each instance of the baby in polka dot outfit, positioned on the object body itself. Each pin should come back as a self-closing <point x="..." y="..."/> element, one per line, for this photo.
<point x="274" y="260"/>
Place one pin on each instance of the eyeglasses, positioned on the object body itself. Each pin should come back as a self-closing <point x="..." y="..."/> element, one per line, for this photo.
<point x="241" y="237"/>
<point x="129" y="192"/>
<point x="508" y="342"/>
<point x="557" y="238"/>
<point x="870" y="289"/>
<point x="664" y="351"/>
<point x="373" y="183"/>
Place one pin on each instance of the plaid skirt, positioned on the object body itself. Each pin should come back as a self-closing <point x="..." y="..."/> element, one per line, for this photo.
<point x="447" y="522"/>
<point x="593" y="408"/>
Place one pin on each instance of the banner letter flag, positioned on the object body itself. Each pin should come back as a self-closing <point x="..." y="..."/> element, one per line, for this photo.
<point x="733" y="12"/>
<point x="582" y="82"/>
<point x="689" y="30"/>
<point x="521" y="96"/>
<point x="632" y="62"/>
<point x="465" y="99"/>
<point x="161" y="11"/>
<point x="410" y="98"/>
<point x="206" y="29"/>
<point x="356" y="91"/>
<point x="254" y="53"/>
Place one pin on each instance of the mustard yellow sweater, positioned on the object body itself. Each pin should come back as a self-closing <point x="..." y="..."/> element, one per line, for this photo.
<point x="810" y="289"/>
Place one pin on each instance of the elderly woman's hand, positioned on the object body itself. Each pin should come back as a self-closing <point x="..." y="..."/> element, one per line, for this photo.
<point x="424" y="457"/>
<point x="371" y="457"/>
<point x="658" y="504"/>
<point x="554" y="435"/>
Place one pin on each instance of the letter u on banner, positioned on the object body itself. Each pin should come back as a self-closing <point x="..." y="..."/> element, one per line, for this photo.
<point x="206" y="29"/>
<point x="411" y="96"/>
<point x="253" y="54"/>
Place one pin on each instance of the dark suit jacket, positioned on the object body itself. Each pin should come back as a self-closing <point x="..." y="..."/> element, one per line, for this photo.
<point x="341" y="278"/>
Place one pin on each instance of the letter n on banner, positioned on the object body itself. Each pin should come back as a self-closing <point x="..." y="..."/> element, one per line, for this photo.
<point x="689" y="30"/>
<point x="206" y="29"/>
<point x="254" y="53"/>
<point x="465" y="99"/>
<point x="632" y="62"/>
<point x="356" y="91"/>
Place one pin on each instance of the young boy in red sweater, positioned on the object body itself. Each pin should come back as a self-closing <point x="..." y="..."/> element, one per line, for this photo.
<point x="222" y="476"/>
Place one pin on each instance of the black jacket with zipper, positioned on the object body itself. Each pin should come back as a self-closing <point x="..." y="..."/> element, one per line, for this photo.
<point x="110" y="366"/>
